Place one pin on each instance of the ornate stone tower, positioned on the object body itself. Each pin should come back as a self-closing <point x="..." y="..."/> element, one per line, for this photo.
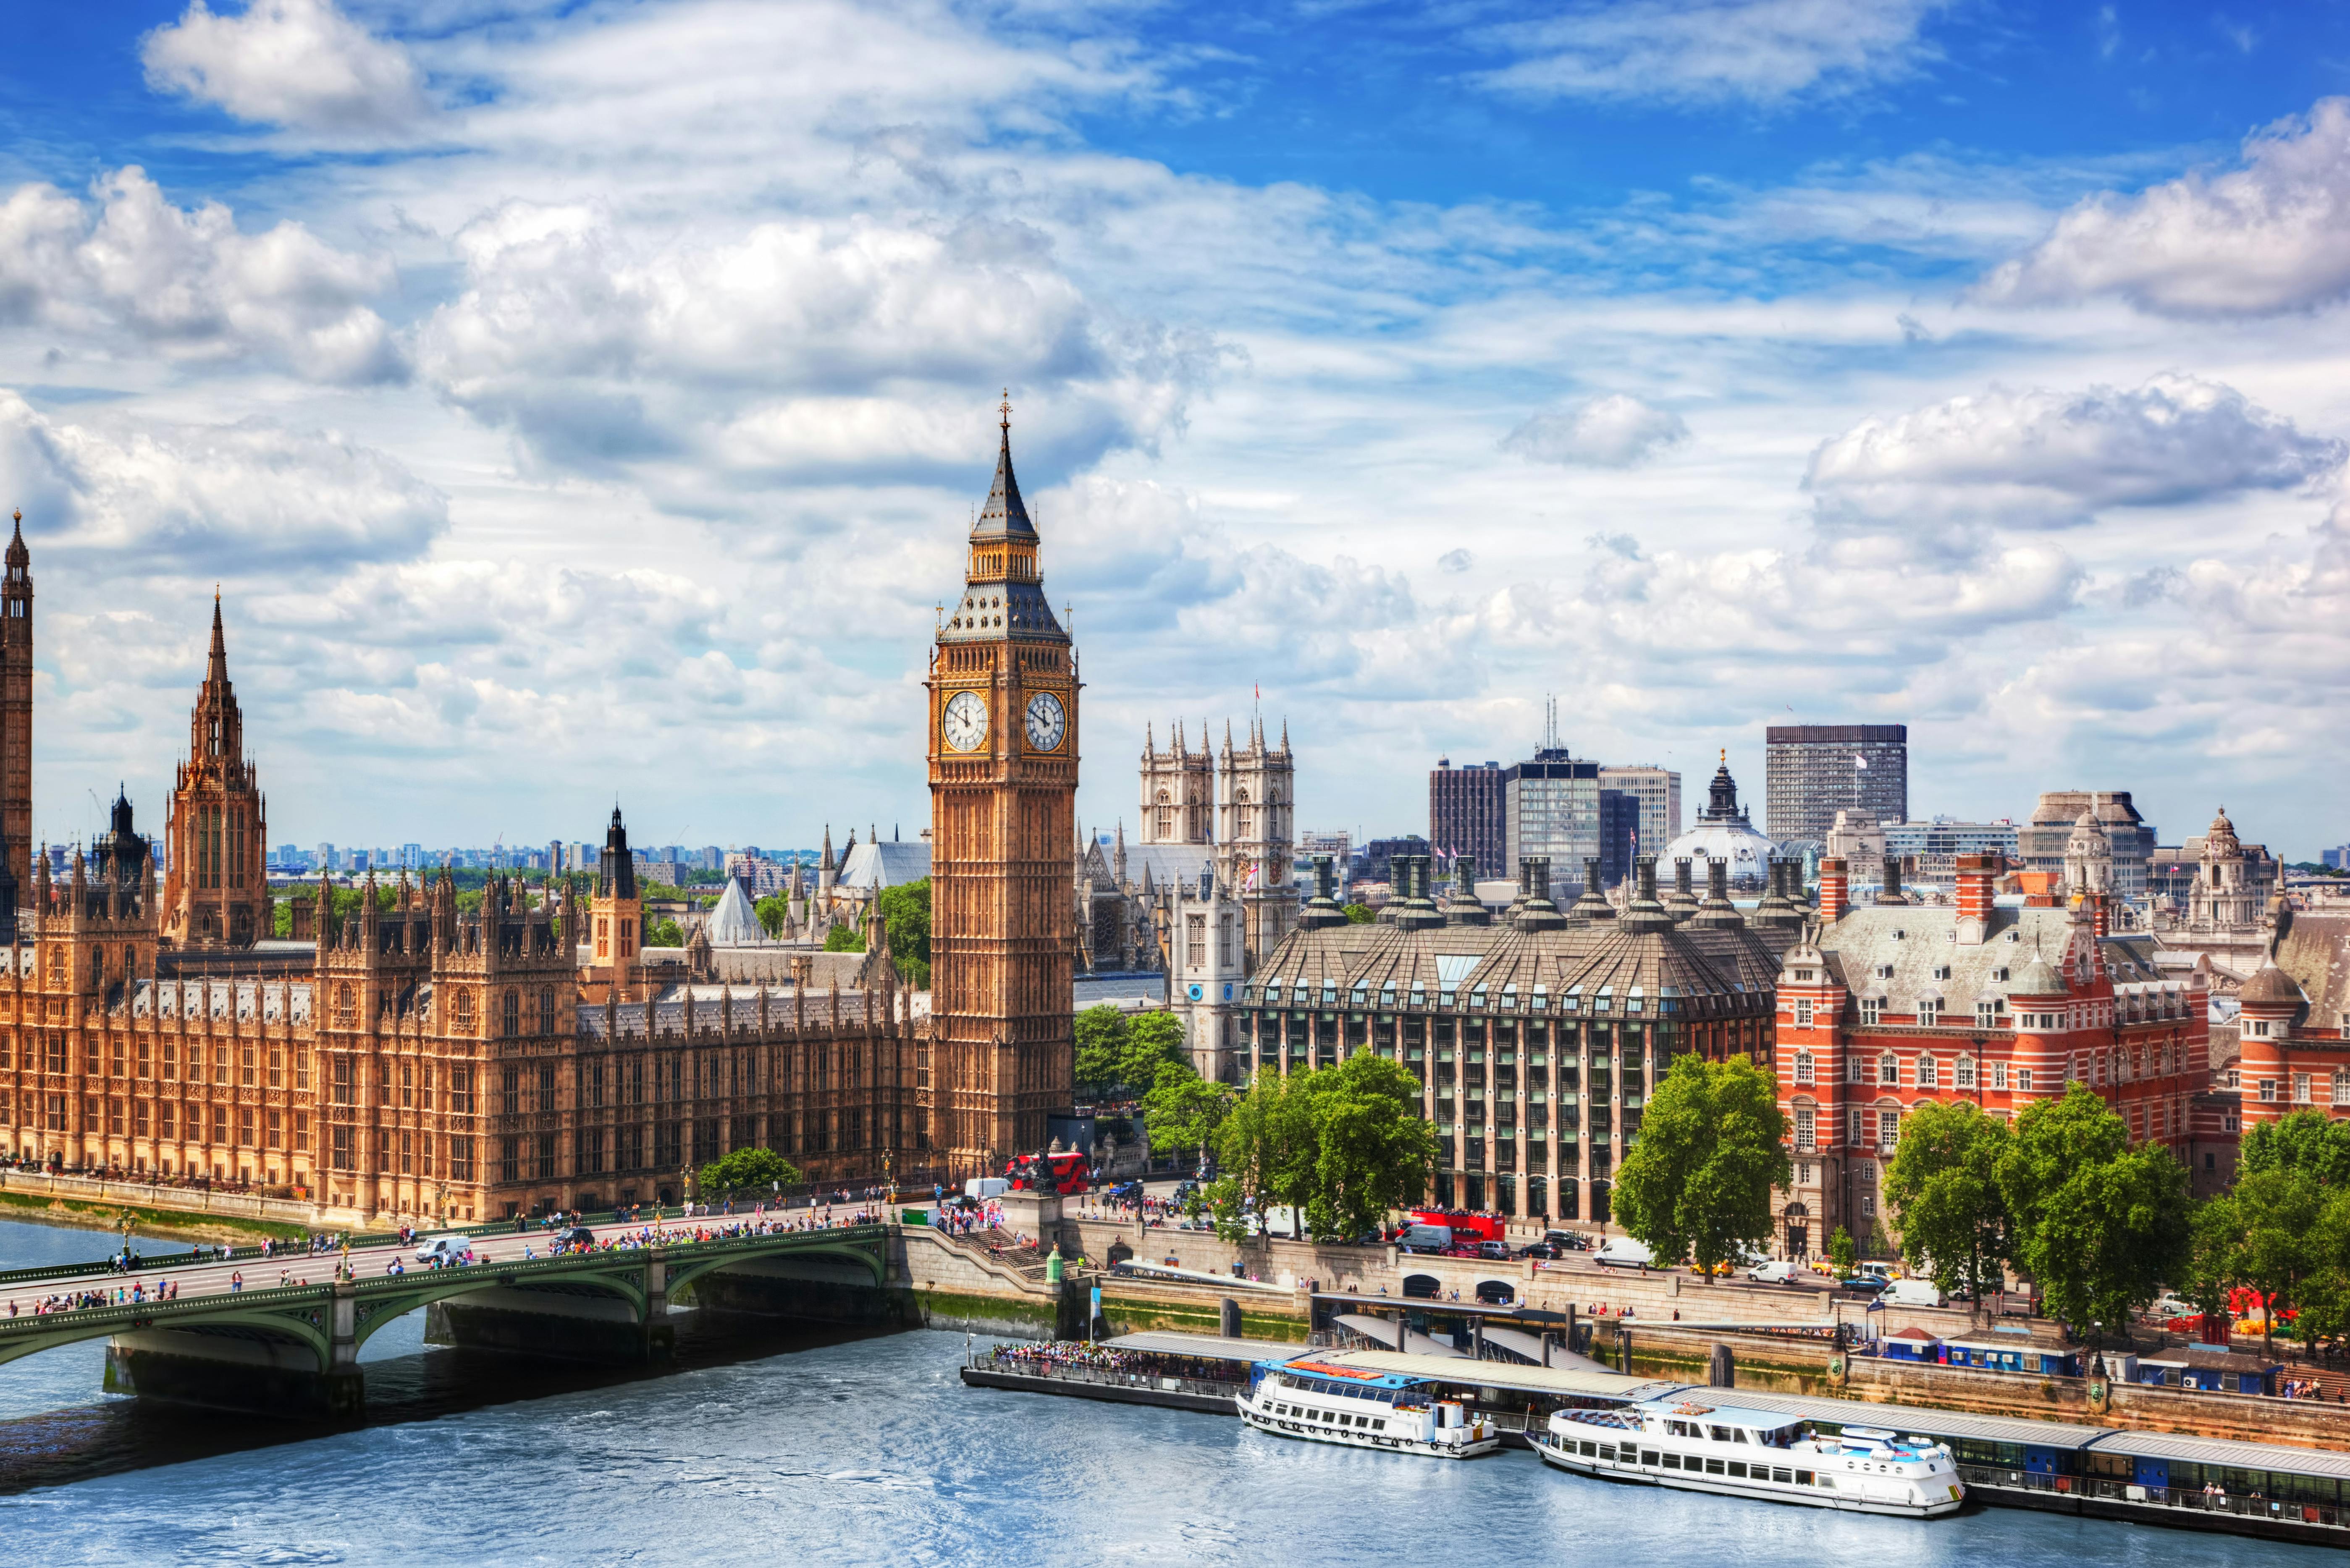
<point x="1258" y="828"/>
<point x="1004" y="781"/>
<point x="15" y="730"/>
<point x="616" y="916"/>
<point x="1179" y="790"/>
<point x="216" y="885"/>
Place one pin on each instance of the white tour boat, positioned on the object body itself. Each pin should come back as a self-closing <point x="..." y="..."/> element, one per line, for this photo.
<point x="1364" y="1409"/>
<point x="1700" y="1446"/>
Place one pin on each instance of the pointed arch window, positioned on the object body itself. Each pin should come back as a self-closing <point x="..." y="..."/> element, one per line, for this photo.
<point x="512" y="1020"/>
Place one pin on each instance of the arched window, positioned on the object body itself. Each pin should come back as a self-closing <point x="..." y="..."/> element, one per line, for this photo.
<point x="466" y="1011"/>
<point x="1888" y="1068"/>
<point x="546" y="1010"/>
<point x="512" y="1021"/>
<point x="346" y="1004"/>
<point x="1802" y="1067"/>
<point x="97" y="966"/>
<point x="1166" y="817"/>
<point x="2342" y="1085"/>
<point x="1929" y="1073"/>
<point x="1966" y="1072"/>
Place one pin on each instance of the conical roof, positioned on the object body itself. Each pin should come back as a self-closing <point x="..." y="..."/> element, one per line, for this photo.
<point x="1005" y="515"/>
<point x="734" y="923"/>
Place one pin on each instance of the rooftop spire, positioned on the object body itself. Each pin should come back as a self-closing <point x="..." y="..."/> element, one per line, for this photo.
<point x="216" y="669"/>
<point x="17" y="554"/>
<point x="1005" y="515"/>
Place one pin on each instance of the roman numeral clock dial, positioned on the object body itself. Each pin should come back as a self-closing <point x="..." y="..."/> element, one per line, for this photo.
<point x="964" y="724"/>
<point x="1047" y="722"/>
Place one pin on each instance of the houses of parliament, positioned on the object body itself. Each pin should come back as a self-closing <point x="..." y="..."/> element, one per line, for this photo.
<point x="408" y="1055"/>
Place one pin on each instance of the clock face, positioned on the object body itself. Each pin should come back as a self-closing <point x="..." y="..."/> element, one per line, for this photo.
<point x="965" y="722"/>
<point x="1047" y="722"/>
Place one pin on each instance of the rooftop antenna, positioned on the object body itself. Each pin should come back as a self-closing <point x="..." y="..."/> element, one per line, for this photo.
<point x="1549" y="723"/>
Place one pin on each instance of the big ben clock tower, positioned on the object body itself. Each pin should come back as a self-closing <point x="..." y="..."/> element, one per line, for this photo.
<point x="1003" y="785"/>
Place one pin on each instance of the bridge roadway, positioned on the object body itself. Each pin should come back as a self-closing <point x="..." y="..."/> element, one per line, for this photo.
<point x="292" y="1347"/>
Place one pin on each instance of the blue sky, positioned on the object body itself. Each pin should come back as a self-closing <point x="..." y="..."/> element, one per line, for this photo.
<point x="581" y="399"/>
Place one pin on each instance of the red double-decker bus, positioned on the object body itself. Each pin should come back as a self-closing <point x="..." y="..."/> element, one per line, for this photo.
<point x="1465" y="1227"/>
<point x="1062" y="1173"/>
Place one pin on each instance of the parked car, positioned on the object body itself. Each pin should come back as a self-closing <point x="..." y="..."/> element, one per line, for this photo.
<point x="1915" y="1292"/>
<point x="1548" y="1249"/>
<point x="1865" y="1284"/>
<point x="1498" y="1252"/>
<point x="1776" y="1271"/>
<point x="1573" y="1241"/>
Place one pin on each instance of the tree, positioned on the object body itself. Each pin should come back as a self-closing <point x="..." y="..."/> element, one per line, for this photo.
<point x="1372" y="1149"/>
<point x="2310" y="1141"/>
<point x="1341" y="1145"/>
<point x="2210" y="1274"/>
<point x="2280" y="1223"/>
<point x="1844" y="1257"/>
<point x="664" y="934"/>
<point x="772" y="911"/>
<point x="1942" y="1187"/>
<point x="2099" y="1224"/>
<point x="745" y="1168"/>
<point x="1361" y="915"/>
<point x="906" y="915"/>
<point x="1185" y="1111"/>
<point x="1712" y="1146"/>
<point x="1153" y="1047"/>
<point x="1101" y="1032"/>
<point x="844" y="939"/>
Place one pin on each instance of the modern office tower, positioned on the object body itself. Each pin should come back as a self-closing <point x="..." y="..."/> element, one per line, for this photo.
<point x="1811" y="771"/>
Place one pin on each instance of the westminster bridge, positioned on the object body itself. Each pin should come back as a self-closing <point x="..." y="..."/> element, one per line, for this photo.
<point x="281" y="1334"/>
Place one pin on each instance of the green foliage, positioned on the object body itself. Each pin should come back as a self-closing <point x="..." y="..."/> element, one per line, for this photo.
<point x="2098" y="1224"/>
<point x="1122" y="1056"/>
<point x="844" y="939"/>
<point x="2309" y="1141"/>
<point x="743" y="1170"/>
<point x="1184" y="1111"/>
<point x="1226" y="1200"/>
<point x="906" y="913"/>
<point x="664" y="933"/>
<point x="1361" y="915"/>
<point x="1843" y="1256"/>
<point x="2284" y="1233"/>
<point x="1943" y="1189"/>
<point x="1343" y="1145"/>
<point x="281" y="918"/>
<point x="1712" y="1146"/>
<point x="772" y="911"/>
<point x="1101" y="1045"/>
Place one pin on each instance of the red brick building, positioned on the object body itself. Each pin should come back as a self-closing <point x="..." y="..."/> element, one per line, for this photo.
<point x="2294" y="1055"/>
<point x="2002" y="1004"/>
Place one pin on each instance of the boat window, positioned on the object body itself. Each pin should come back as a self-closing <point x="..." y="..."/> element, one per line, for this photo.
<point x="1719" y="1434"/>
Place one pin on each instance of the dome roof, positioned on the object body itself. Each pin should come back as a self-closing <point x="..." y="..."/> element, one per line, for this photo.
<point x="1735" y="841"/>
<point x="2270" y="987"/>
<point x="2036" y="977"/>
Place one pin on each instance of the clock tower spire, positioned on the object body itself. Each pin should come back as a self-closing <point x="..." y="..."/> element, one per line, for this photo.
<point x="1004" y="782"/>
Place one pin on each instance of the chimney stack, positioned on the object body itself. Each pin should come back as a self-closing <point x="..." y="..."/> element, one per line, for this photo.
<point x="1834" y="898"/>
<point x="1975" y="876"/>
<point x="1891" y="892"/>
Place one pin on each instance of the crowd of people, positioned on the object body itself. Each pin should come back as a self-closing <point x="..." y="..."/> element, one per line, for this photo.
<point x="115" y="1295"/>
<point x="1062" y="1354"/>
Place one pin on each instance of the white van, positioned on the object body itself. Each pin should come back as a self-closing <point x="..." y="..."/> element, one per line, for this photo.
<point x="1623" y="1252"/>
<point x="1426" y="1239"/>
<point x="1914" y="1293"/>
<point x="445" y="1252"/>
<point x="986" y="1187"/>
<point x="1776" y="1271"/>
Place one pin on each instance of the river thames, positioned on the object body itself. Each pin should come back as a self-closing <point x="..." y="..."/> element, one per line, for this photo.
<point x="773" y="1447"/>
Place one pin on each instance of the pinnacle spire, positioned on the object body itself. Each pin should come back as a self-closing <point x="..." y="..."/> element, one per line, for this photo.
<point x="1005" y="515"/>
<point x="217" y="669"/>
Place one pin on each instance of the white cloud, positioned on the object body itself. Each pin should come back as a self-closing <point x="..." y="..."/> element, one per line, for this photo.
<point x="188" y="282"/>
<point x="122" y="496"/>
<point x="2270" y="236"/>
<point x="1613" y="431"/>
<point x="800" y="348"/>
<point x="2049" y="459"/>
<point x="296" y="63"/>
<point x="1763" y="52"/>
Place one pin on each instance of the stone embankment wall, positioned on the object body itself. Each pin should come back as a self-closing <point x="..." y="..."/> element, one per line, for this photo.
<point x="184" y="1211"/>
